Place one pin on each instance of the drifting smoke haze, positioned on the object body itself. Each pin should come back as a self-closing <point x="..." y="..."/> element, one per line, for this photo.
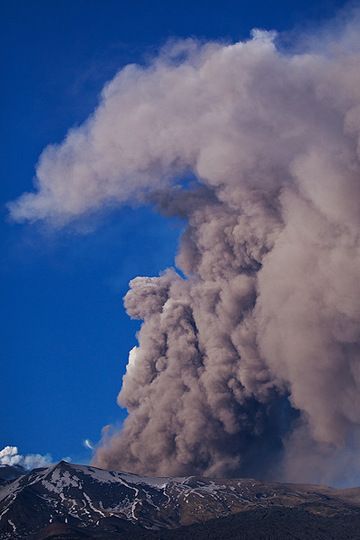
<point x="250" y="364"/>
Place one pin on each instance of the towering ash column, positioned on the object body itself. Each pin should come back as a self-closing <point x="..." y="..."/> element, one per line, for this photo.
<point x="250" y="364"/>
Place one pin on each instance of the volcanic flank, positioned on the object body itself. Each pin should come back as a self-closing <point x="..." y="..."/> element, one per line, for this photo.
<point x="76" y="501"/>
<point x="248" y="359"/>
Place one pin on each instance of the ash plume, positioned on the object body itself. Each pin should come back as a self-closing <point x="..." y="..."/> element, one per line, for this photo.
<point x="248" y="362"/>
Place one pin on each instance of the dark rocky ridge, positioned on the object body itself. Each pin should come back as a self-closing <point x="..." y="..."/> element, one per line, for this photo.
<point x="77" y="501"/>
<point x="10" y="472"/>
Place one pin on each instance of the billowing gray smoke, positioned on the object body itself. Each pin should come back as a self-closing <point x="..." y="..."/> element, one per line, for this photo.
<point x="250" y="364"/>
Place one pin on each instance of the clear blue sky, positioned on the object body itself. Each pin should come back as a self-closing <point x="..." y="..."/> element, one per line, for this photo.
<point x="65" y="334"/>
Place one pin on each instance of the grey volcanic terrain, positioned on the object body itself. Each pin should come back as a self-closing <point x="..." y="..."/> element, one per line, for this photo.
<point x="68" y="501"/>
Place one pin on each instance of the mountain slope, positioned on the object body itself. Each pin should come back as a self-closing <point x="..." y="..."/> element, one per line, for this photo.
<point x="78" y="501"/>
<point x="10" y="472"/>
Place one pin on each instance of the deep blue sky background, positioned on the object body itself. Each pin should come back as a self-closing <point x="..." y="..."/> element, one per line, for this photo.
<point x="65" y="335"/>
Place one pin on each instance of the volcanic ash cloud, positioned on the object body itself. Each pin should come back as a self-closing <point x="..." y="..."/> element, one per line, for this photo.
<point x="250" y="364"/>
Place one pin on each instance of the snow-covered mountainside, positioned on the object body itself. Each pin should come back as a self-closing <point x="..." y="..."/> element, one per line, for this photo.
<point x="78" y="501"/>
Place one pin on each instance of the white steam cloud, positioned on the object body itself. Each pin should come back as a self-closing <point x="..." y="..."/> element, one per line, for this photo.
<point x="10" y="455"/>
<point x="251" y="363"/>
<point x="88" y="444"/>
